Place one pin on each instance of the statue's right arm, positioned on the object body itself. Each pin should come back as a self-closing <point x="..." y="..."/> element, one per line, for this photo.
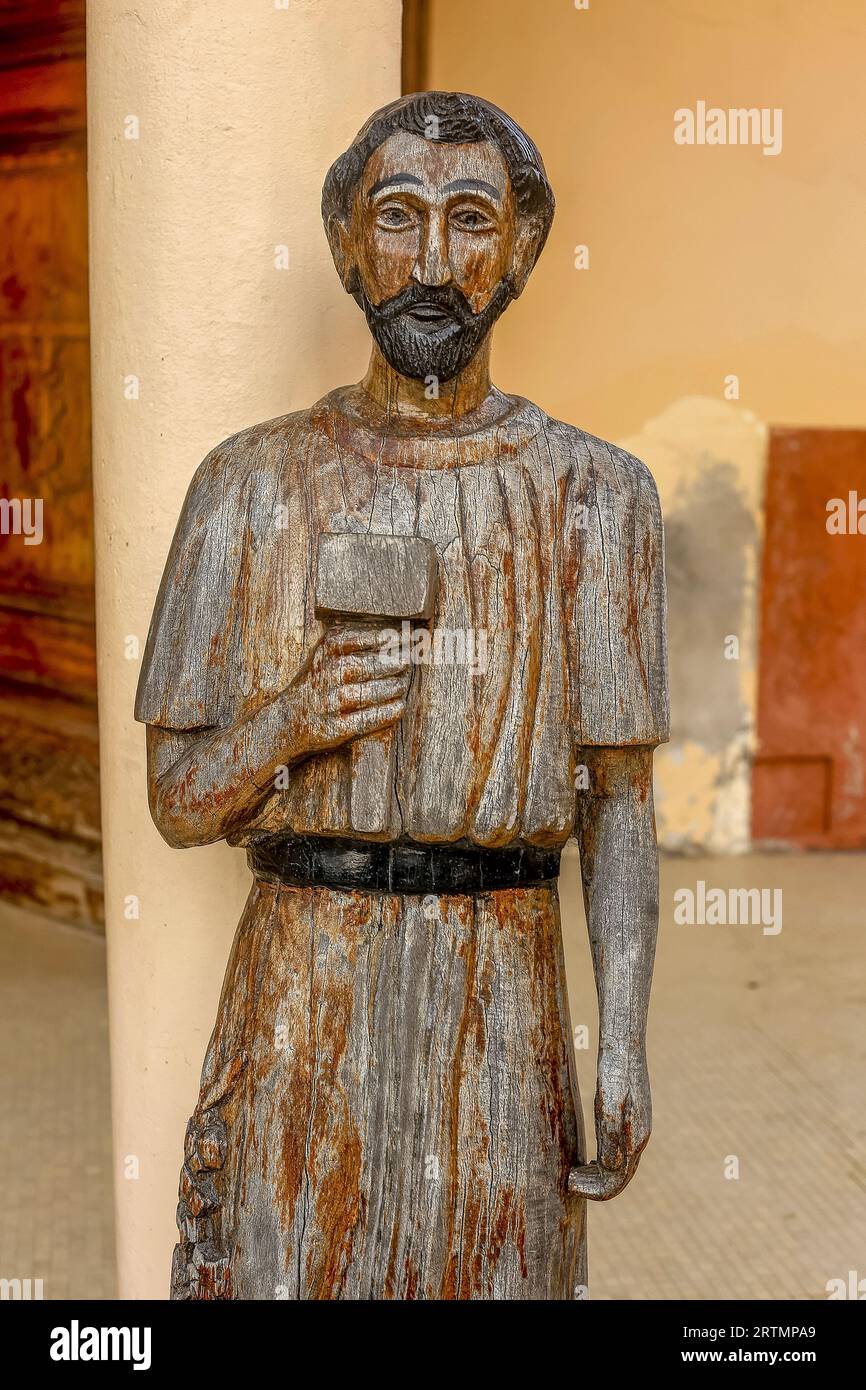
<point x="205" y="783"/>
<point x="201" y="784"/>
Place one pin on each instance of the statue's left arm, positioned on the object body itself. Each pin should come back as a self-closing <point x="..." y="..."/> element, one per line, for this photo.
<point x="615" y="831"/>
<point x="620" y="695"/>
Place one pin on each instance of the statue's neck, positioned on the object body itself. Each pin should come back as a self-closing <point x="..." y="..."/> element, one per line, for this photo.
<point x="402" y="397"/>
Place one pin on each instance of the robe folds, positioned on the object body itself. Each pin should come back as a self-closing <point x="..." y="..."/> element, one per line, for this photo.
<point x="388" y="1105"/>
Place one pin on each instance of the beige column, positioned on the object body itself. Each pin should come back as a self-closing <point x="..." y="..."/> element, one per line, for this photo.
<point x="214" y="304"/>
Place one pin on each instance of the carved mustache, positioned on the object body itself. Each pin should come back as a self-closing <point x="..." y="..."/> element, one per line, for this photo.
<point x="448" y="298"/>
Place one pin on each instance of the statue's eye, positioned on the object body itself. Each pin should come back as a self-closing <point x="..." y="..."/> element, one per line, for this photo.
<point x="394" y="217"/>
<point x="471" y="219"/>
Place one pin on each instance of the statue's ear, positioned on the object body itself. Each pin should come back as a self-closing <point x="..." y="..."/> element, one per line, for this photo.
<point x="526" y="238"/>
<point x="340" y="242"/>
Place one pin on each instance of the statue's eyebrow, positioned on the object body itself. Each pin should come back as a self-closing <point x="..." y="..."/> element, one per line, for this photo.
<point x="473" y="186"/>
<point x="392" y="179"/>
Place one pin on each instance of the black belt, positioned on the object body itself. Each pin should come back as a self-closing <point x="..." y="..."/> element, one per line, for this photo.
<point x="309" y="861"/>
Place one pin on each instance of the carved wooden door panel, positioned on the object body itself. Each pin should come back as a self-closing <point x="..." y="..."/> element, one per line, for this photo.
<point x="49" y="807"/>
<point x="809" y="780"/>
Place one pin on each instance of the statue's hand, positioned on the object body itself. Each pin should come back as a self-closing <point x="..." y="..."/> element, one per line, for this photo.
<point x="348" y="687"/>
<point x="623" y="1120"/>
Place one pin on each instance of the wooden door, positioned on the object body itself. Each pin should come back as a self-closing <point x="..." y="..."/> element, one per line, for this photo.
<point x="809" y="778"/>
<point x="49" y="807"/>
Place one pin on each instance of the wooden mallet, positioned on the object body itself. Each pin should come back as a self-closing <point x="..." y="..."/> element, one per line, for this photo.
<point x="380" y="581"/>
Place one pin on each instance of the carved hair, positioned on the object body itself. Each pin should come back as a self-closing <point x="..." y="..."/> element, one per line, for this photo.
<point x="452" y="118"/>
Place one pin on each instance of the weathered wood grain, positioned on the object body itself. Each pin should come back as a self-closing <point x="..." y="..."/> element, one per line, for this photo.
<point x="438" y="1093"/>
<point x="383" y="580"/>
<point x="375" y="577"/>
<point x="388" y="1107"/>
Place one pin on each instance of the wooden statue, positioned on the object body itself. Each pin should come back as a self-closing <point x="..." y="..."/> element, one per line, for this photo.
<point x="408" y="641"/>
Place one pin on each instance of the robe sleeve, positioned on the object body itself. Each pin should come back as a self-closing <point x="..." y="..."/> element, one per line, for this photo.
<point x="618" y="653"/>
<point x="188" y="670"/>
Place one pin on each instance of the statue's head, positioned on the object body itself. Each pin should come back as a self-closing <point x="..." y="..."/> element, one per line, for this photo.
<point x="435" y="216"/>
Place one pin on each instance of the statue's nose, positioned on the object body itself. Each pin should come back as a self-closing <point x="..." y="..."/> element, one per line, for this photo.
<point x="432" y="266"/>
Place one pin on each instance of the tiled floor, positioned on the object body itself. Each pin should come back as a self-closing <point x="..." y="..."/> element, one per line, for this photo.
<point x="56" y="1219"/>
<point x="757" y="1050"/>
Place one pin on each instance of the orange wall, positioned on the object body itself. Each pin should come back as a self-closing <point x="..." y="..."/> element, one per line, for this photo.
<point x="704" y="261"/>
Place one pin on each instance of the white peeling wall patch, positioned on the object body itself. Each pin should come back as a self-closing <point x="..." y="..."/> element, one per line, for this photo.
<point x="709" y="459"/>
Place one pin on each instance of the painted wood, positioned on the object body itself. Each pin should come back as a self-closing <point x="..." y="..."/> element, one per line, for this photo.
<point x="48" y="818"/>
<point x="388" y="1105"/>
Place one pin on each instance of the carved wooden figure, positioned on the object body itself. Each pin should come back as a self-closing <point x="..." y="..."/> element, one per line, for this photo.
<point x="403" y="734"/>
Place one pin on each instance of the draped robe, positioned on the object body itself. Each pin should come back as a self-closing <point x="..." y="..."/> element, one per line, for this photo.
<point x="388" y="1105"/>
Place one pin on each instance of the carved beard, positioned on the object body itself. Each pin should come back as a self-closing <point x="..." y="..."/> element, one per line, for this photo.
<point x="441" y="338"/>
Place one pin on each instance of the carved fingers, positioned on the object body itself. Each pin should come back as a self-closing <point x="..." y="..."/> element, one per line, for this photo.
<point x="599" y="1184"/>
<point x="358" y="695"/>
<point x="354" y="684"/>
<point x="623" y="1120"/>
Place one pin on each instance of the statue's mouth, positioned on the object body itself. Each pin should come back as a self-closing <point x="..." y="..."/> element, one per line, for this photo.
<point x="429" y="315"/>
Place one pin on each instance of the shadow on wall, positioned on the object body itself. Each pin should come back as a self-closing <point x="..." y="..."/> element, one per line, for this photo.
<point x="708" y="458"/>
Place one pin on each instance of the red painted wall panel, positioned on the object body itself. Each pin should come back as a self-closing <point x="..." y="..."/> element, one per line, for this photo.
<point x="809" y="779"/>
